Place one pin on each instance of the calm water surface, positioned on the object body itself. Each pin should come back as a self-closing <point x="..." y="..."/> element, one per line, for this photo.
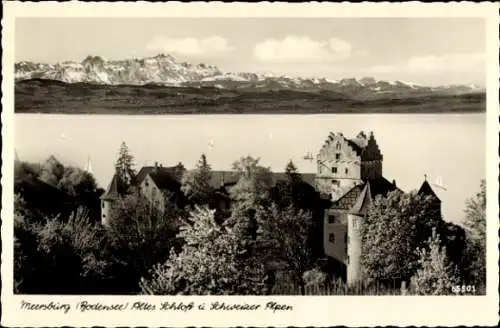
<point x="449" y="146"/>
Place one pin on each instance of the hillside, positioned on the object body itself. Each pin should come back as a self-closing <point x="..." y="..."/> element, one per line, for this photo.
<point x="52" y="96"/>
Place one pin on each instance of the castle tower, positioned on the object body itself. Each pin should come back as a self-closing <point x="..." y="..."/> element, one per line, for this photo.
<point x="354" y="221"/>
<point x="371" y="159"/>
<point x="344" y="163"/>
<point x="427" y="190"/>
<point x="108" y="200"/>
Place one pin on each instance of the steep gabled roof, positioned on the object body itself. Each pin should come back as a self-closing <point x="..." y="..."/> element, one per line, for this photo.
<point x="112" y="192"/>
<point x="378" y="186"/>
<point x="222" y="178"/>
<point x="164" y="179"/>
<point x="426" y="189"/>
<point x="364" y="200"/>
<point x="145" y="170"/>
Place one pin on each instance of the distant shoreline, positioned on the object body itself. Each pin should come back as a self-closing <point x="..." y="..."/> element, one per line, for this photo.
<point x="52" y="97"/>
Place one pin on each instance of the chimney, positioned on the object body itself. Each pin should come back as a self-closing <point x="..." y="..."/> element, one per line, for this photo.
<point x="394" y="183"/>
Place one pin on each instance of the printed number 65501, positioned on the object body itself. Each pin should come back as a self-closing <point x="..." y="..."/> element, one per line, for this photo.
<point x="463" y="289"/>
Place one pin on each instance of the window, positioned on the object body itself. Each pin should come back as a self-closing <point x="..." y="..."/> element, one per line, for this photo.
<point x="347" y="259"/>
<point x="103" y="205"/>
<point x="331" y="218"/>
<point x="346" y="238"/>
<point x="338" y="146"/>
<point x="346" y="170"/>
<point x="334" y="169"/>
<point x="337" y="156"/>
<point x="336" y="183"/>
<point x="355" y="223"/>
<point x="331" y="238"/>
<point x="104" y="215"/>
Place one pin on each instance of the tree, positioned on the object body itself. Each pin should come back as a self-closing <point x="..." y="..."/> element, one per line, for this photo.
<point x="196" y="183"/>
<point x="393" y="228"/>
<point x="254" y="182"/>
<point x="436" y="275"/>
<point x="475" y="223"/>
<point x="475" y="213"/>
<point x="284" y="238"/>
<point x="52" y="171"/>
<point x="58" y="257"/>
<point x="124" y="168"/>
<point x="77" y="182"/>
<point x="140" y="237"/>
<point x="208" y="263"/>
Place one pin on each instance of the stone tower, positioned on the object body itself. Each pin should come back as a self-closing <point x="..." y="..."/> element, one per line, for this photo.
<point x="354" y="221"/>
<point x="344" y="163"/>
<point x="108" y="200"/>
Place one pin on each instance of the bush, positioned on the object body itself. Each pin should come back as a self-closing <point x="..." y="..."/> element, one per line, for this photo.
<point x="436" y="276"/>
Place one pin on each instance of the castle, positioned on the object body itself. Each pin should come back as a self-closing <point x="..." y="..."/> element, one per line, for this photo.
<point x="349" y="176"/>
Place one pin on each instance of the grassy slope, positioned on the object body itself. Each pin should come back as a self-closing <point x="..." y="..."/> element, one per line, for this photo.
<point x="44" y="96"/>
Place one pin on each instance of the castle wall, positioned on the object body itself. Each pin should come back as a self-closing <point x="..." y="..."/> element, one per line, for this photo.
<point x="335" y="236"/>
<point x="354" y="269"/>
<point x="106" y="208"/>
<point x="338" y="167"/>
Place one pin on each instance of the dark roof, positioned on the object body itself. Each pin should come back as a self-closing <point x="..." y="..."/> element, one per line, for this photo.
<point x="112" y="191"/>
<point x="222" y="178"/>
<point x="225" y="178"/>
<point x="381" y="186"/>
<point x="364" y="200"/>
<point x="378" y="186"/>
<point x="426" y="189"/>
<point x="145" y="170"/>
<point x="164" y="179"/>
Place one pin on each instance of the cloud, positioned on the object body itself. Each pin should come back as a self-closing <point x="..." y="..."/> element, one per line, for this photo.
<point x="302" y="48"/>
<point x="432" y="64"/>
<point x="190" y="46"/>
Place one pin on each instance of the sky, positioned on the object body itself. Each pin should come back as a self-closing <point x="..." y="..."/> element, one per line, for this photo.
<point x="429" y="51"/>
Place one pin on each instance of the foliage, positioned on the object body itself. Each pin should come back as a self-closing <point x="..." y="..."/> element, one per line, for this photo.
<point x="254" y="182"/>
<point x="77" y="182"/>
<point x="475" y="222"/>
<point x="208" y="263"/>
<point x="394" y="227"/>
<point x="196" y="183"/>
<point x="140" y="236"/>
<point x="124" y="168"/>
<point x="57" y="256"/>
<point x="284" y="235"/>
<point x="436" y="275"/>
<point x="52" y="171"/>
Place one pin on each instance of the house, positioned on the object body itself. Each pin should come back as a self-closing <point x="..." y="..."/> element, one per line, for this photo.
<point x="161" y="185"/>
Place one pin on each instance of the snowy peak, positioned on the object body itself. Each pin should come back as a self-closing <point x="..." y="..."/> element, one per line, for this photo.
<point x="164" y="69"/>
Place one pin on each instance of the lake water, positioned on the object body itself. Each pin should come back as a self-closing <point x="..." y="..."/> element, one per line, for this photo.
<point x="448" y="146"/>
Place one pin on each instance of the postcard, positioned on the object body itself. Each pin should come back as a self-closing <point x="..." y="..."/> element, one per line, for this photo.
<point x="239" y="164"/>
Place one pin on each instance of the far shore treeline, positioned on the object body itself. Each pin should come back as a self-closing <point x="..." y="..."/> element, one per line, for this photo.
<point x="269" y="241"/>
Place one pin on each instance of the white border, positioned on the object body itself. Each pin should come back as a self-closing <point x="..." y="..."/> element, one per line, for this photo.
<point x="308" y="311"/>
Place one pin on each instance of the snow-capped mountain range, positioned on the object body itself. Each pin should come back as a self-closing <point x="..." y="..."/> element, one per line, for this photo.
<point x="164" y="69"/>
